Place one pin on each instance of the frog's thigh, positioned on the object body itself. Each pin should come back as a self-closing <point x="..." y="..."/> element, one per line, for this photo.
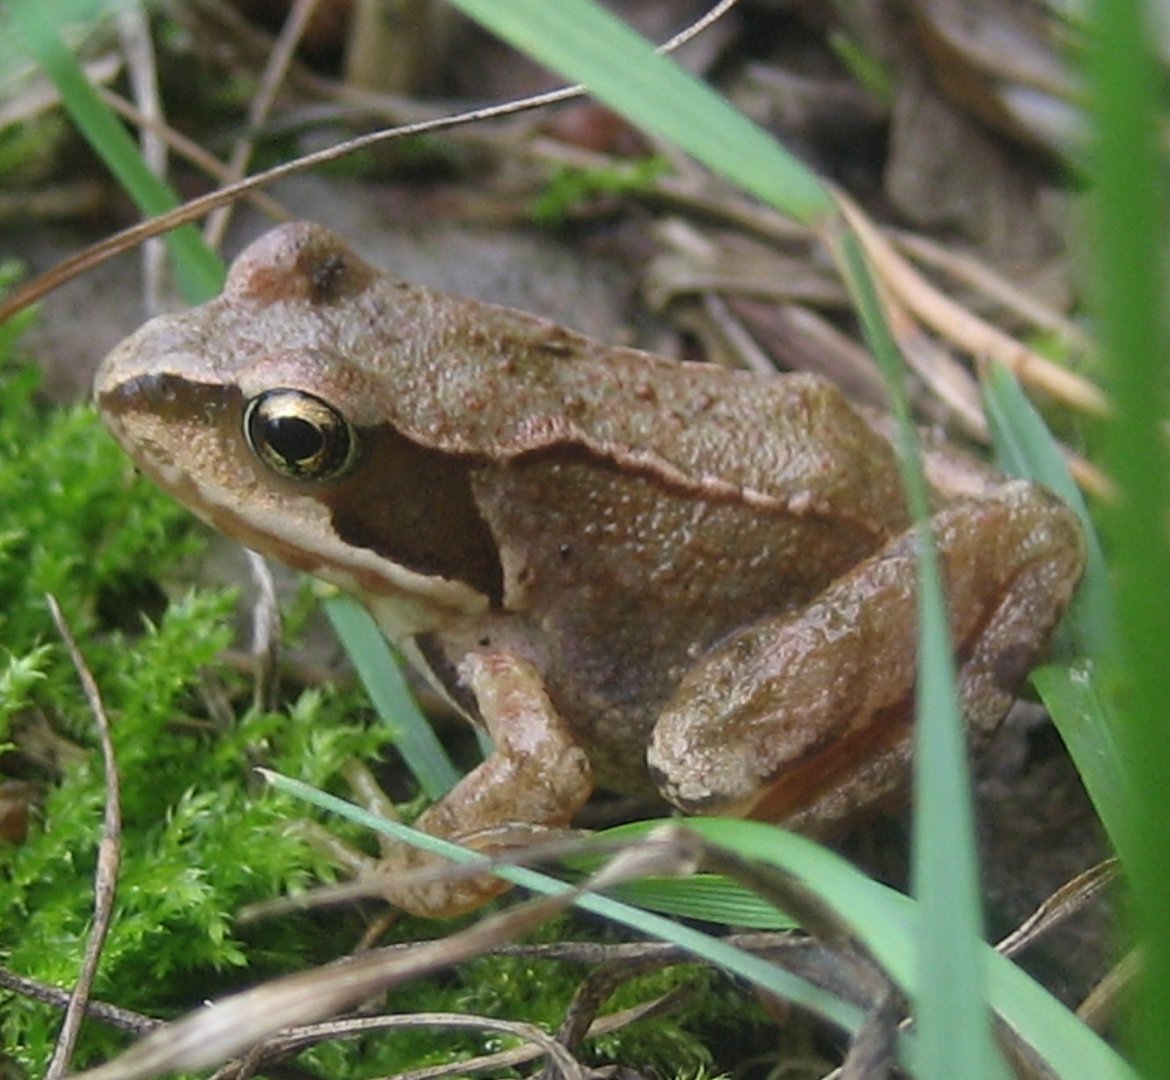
<point x="805" y="719"/>
<point x="535" y="780"/>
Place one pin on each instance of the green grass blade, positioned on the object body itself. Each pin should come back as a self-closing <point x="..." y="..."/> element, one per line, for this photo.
<point x="707" y="897"/>
<point x="1087" y="725"/>
<point x="588" y="45"/>
<point x="1087" y="722"/>
<point x="381" y="675"/>
<point x="1128" y="174"/>
<point x="952" y="1018"/>
<point x="710" y="897"/>
<point x="198" y="269"/>
<point x="1025" y="447"/>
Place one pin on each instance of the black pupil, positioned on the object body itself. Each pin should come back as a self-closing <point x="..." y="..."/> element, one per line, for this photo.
<point x="295" y="439"/>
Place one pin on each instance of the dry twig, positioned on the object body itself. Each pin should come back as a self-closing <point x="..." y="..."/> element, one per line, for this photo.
<point x="109" y="859"/>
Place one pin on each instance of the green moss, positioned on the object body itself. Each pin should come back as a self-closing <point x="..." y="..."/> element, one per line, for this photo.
<point x="569" y="188"/>
<point x="31" y="151"/>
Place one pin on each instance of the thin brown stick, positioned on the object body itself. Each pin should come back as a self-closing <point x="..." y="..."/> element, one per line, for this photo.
<point x="557" y="1054"/>
<point x="1099" y="1010"/>
<point x="519" y="1055"/>
<point x="596" y="989"/>
<point x="1070" y="898"/>
<point x="134" y="32"/>
<point x="109" y="858"/>
<point x="190" y="151"/>
<point x="265" y="645"/>
<point x="259" y="107"/>
<point x="196" y="208"/>
<point x="115" y="1016"/>
<point x="976" y="274"/>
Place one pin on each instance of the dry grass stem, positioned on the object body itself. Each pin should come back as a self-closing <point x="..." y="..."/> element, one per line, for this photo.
<point x="109" y="859"/>
<point x="974" y="335"/>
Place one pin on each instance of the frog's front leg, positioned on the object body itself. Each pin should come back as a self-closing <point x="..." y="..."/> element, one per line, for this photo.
<point x="535" y="780"/>
<point x="805" y="719"/>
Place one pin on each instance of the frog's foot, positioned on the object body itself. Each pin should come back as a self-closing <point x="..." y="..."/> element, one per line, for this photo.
<point x="806" y="719"/>
<point x="416" y="881"/>
<point x="529" y="788"/>
<point x="429" y="885"/>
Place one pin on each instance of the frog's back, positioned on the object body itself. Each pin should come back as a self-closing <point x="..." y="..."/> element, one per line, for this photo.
<point x="521" y="385"/>
<point x="785" y="444"/>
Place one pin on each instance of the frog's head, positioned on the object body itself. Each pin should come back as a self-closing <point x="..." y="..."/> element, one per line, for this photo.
<point x="261" y="413"/>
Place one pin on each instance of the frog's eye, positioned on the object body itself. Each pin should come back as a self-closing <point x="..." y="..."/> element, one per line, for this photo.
<point x="298" y="435"/>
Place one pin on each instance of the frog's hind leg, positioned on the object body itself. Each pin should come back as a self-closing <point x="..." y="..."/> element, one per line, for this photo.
<point x="805" y="719"/>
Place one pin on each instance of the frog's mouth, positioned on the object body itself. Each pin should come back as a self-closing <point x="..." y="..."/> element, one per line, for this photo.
<point x="174" y="428"/>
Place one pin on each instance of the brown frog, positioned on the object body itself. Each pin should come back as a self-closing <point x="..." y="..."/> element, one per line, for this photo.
<point x="634" y="573"/>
